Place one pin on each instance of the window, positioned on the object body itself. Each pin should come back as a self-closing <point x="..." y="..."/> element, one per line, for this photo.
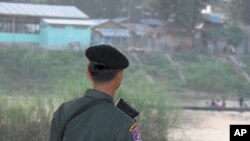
<point x="5" y="24"/>
<point x="19" y="25"/>
<point x="57" y="26"/>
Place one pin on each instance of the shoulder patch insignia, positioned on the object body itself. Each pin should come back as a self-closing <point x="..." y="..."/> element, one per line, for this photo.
<point x="134" y="129"/>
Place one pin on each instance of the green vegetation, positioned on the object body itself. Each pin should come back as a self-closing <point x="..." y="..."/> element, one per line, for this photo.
<point x="34" y="82"/>
<point x="30" y="71"/>
<point x="232" y="33"/>
<point x="212" y="76"/>
<point x="246" y="61"/>
<point x="25" y="119"/>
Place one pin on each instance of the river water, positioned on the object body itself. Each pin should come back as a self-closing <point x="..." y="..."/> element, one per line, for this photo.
<point x="206" y="125"/>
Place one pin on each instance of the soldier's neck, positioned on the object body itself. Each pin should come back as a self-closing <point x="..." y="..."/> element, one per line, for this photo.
<point x="105" y="89"/>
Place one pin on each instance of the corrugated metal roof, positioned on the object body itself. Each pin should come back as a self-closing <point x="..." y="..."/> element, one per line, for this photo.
<point x="120" y="20"/>
<point x="96" y="22"/>
<point x="67" y="22"/>
<point x="151" y="22"/>
<point x="214" y="18"/>
<point x="51" y="11"/>
<point x="113" y="32"/>
<point x="138" y="29"/>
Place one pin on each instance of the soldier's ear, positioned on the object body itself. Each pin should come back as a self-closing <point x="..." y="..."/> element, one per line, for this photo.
<point x="118" y="79"/>
<point x="120" y="75"/>
<point x="88" y="75"/>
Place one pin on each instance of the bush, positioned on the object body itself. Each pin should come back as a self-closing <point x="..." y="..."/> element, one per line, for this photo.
<point x="187" y="57"/>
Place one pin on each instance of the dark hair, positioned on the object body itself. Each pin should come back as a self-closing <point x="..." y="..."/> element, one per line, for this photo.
<point x="101" y="73"/>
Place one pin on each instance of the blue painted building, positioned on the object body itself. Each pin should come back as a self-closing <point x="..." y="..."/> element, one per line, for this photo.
<point x="46" y="25"/>
<point x="61" y="32"/>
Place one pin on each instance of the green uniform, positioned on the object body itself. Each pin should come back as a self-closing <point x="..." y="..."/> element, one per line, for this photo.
<point x="101" y="122"/>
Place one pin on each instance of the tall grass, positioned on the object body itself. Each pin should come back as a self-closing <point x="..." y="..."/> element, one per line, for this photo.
<point x="24" y="119"/>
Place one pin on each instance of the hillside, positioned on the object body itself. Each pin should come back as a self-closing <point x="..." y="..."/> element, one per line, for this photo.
<point x="37" y="71"/>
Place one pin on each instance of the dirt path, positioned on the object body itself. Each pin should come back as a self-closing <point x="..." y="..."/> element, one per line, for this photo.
<point x="206" y="126"/>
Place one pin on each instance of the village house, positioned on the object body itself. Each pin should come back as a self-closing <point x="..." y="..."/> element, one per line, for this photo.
<point x="105" y="31"/>
<point x="141" y="35"/>
<point x="169" y="37"/>
<point x="46" y="25"/>
<point x="212" y="23"/>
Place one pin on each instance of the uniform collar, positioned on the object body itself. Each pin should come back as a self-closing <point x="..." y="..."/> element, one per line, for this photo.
<point x="98" y="94"/>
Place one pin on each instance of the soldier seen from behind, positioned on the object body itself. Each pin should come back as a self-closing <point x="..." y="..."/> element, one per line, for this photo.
<point x="94" y="117"/>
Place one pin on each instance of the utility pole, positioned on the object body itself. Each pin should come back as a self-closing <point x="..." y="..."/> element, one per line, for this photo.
<point x="128" y="21"/>
<point x="129" y="9"/>
<point x="72" y="2"/>
<point x="13" y="30"/>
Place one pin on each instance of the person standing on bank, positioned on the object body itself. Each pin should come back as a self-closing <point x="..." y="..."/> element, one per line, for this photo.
<point x="94" y="117"/>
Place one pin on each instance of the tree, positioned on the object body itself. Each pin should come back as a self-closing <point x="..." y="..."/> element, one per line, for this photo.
<point x="162" y="8"/>
<point x="239" y="11"/>
<point x="232" y="33"/>
<point x="246" y="11"/>
<point x="186" y="14"/>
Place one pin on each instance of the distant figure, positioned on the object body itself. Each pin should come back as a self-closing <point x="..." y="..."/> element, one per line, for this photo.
<point x="241" y="101"/>
<point x="220" y="103"/>
<point x="213" y="103"/>
<point x="223" y="103"/>
<point x="245" y="104"/>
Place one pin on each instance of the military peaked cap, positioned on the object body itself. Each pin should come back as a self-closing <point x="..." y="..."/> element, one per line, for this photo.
<point x="107" y="55"/>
